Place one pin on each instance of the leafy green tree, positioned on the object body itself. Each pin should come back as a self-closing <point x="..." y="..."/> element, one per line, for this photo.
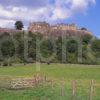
<point x="7" y="46"/>
<point x="86" y="39"/>
<point x="19" y="37"/>
<point x="72" y="46"/>
<point x="96" y="47"/>
<point x="72" y="51"/>
<point x="83" y="28"/>
<point x="19" y="25"/>
<point x="46" y="48"/>
<point x="32" y="46"/>
<point x="59" y="49"/>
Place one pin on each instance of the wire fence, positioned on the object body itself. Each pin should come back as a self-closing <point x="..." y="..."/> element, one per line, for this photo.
<point x="37" y="80"/>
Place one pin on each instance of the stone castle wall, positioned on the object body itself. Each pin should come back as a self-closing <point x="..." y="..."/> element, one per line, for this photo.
<point x="41" y="27"/>
<point x="56" y="30"/>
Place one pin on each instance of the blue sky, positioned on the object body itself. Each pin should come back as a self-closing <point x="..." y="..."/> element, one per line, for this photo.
<point x="85" y="13"/>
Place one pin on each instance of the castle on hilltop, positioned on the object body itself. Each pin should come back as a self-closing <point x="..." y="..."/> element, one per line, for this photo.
<point x="56" y="30"/>
<point x="50" y="30"/>
<point x="43" y="26"/>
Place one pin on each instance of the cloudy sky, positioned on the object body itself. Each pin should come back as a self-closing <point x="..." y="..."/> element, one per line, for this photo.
<point x="82" y="12"/>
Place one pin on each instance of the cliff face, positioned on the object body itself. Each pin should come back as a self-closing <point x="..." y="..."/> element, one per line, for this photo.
<point x="57" y="30"/>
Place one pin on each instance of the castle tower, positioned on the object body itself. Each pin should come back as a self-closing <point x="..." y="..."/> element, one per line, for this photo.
<point x="41" y="27"/>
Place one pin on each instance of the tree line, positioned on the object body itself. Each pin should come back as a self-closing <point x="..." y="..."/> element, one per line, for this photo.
<point x="22" y="48"/>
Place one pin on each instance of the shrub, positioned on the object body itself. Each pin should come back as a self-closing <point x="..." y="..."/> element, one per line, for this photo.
<point x="5" y="63"/>
<point x="10" y="64"/>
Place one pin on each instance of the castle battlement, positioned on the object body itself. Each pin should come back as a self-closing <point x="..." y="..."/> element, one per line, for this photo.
<point x="44" y="28"/>
<point x="65" y="26"/>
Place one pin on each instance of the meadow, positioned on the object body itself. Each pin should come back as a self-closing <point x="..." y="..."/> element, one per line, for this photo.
<point x="83" y="74"/>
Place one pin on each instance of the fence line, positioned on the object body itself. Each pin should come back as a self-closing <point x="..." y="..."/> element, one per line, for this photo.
<point x="36" y="80"/>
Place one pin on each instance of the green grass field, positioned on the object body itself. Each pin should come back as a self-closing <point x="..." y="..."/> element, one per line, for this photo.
<point x="83" y="74"/>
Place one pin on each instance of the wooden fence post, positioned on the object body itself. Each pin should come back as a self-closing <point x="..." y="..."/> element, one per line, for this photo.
<point x="91" y="90"/>
<point x="35" y="80"/>
<point x="45" y="78"/>
<point x="52" y="84"/>
<point x="62" y="88"/>
<point x="73" y="90"/>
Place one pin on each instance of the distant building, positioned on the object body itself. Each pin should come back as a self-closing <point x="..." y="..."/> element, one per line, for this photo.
<point x="65" y="26"/>
<point x="41" y="27"/>
<point x="56" y="30"/>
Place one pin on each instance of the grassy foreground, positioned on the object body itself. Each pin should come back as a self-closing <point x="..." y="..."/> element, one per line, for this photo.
<point x="54" y="70"/>
<point x="82" y="73"/>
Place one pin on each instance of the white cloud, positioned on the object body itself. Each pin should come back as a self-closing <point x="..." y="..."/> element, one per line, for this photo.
<point x="81" y="5"/>
<point x="23" y="13"/>
<point x="6" y="23"/>
<point x="60" y="13"/>
<point x="67" y="8"/>
<point x="60" y="10"/>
